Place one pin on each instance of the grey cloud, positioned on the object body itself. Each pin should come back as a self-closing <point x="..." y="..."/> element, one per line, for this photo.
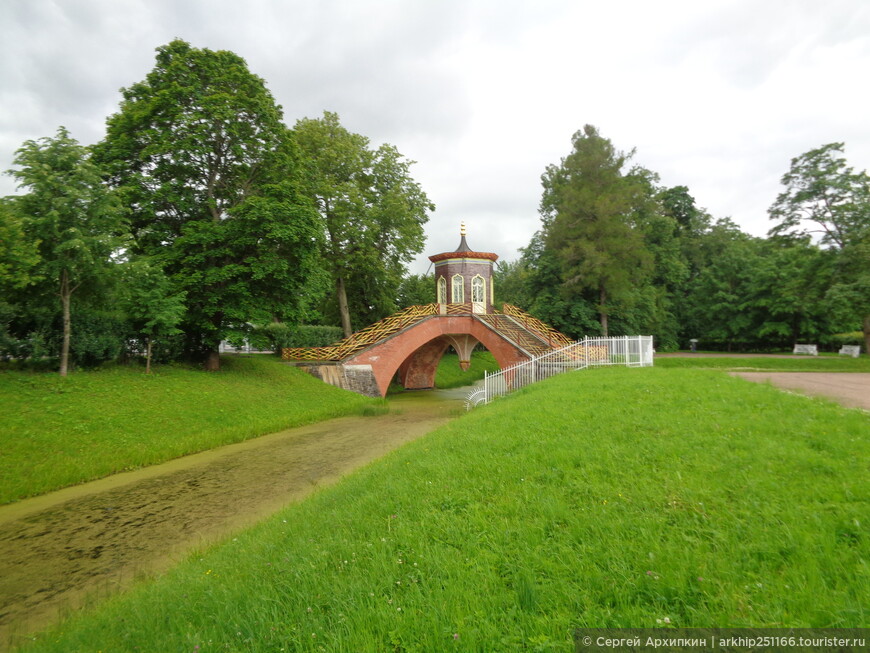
<point x="714" y="95"/>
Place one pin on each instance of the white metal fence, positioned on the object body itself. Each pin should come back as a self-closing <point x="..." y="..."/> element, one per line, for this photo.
<point x="631" y="351"/>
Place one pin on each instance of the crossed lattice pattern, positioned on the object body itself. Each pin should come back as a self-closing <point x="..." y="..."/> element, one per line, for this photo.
<point x="528" y="341"/>
<point x="589" y="353"/>
<point x="549" y="334"/>
<point x="364" y="338"/>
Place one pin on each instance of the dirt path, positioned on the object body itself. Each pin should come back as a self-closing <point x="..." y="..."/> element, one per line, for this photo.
<point x="62" y="550"/>
<point x="848" y="388"/>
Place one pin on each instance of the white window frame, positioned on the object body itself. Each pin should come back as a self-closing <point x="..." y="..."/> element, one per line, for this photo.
<point x="442" y="290"/>
<point x="478" y="290"/>
<point x="457" y="289"/>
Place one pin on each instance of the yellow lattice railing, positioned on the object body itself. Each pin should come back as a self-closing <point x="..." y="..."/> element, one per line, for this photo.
<point x="458" y="309"/>
<point x="407" y="317"/>
<point x="364" y="338"/>
<point x="529" y="341"/>
<point x="554" y="338"/>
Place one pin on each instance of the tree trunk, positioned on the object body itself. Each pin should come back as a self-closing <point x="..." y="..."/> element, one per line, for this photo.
<point x="148" y="356"/>
<point x="65" y="295"/>
<point x="343" y="310"/>
<point x="213" y="361"/>
<point x="867" y="334"/>
<point x="213" y="357"/>
<point x="602" y="309"/>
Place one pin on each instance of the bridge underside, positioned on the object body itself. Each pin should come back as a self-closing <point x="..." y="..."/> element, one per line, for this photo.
<point x="417" y="372"/>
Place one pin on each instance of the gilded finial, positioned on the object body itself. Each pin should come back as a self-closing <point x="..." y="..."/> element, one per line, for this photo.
<point x="462" y="231"/>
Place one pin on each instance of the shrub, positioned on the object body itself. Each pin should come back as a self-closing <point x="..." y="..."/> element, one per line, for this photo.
<point x="279" y="335"/>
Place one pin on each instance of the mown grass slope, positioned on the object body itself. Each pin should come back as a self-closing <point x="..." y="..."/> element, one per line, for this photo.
<point x="602" y="498"/>
<point x="58" y="432"/>
<point x="450" y="375"/>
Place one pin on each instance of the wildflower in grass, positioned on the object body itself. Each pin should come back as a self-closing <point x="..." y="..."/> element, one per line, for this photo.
<point x="455" y="636"/>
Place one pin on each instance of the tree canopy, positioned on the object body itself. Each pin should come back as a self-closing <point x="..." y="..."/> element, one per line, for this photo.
<point x="666" y="267"/>
<point x="372" y="214"/>
<point x="221" y="222"/>
<point x="200" y="153"/>
<point x="825" y="197"/>
<point x="589" y="210"/>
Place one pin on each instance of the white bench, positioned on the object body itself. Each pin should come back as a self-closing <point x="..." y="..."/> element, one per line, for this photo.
<point x="850" y="350"/>
<point x="812" y="350"/>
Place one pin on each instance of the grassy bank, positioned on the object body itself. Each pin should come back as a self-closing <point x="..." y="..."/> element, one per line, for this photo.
<point x="611" y="497"/>
<point x="59" y="432"/>
<point x="766" y="364"/>
<point x="450" y="375"/>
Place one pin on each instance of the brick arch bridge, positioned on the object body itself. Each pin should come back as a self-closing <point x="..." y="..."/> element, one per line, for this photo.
<point x="408" y="345"/>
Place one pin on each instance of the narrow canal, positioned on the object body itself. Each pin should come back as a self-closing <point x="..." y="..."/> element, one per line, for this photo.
<point x="67" y="549"/>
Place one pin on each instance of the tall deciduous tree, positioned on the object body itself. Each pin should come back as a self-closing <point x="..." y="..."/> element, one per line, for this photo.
<point x="588" y="209"/>
<point x="823" y="195"/>
<point x="210" y="170"/>
<point x="71" y="216"/>
<point x="372" y="215"/>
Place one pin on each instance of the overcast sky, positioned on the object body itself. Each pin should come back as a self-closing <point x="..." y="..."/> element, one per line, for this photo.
<point x="716" y="95"/>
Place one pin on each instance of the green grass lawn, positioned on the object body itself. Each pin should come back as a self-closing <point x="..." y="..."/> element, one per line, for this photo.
<point x="602" y="498"/>
<point x="450" y="375"/>
<point x="764" y="364"/>
<point x="58" y="432"/>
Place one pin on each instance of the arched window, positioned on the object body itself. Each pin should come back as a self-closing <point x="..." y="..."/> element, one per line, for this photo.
<point x="442" y="290"/>
<point x="457" y="287"/>
<point x="478" y="290"/>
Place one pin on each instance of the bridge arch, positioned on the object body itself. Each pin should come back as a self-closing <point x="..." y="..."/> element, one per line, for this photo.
<point x="414" y="353"/>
